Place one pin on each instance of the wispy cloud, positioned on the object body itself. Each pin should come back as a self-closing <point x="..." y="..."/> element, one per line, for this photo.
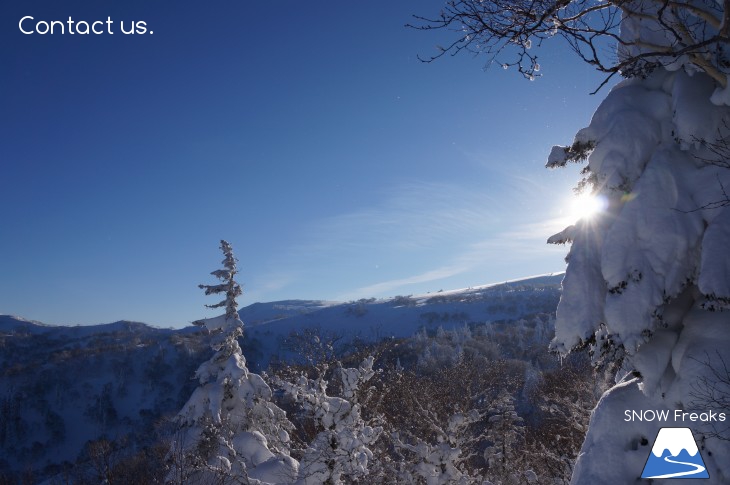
<point x="423" y="232"/>
<point x="270" y="283"/>
<point x="410" y="215"/>
<point x="536" y="231"/>
<point x="388" y="287"/>
<point x="521" y="243"/>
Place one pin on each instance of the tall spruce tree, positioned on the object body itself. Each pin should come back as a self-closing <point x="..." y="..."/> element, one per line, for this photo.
<point x="230" y="431"/>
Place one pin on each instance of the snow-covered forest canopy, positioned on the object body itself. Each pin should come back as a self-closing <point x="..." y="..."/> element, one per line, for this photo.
<point x="463" y="400"/>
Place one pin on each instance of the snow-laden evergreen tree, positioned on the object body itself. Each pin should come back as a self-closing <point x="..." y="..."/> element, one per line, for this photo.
<point x="230" y="431"/>
<point x="339" y="453"/>
<point x="645" y="277"/>
<point x="648" y="278"/>
<point x="647" y="287"/>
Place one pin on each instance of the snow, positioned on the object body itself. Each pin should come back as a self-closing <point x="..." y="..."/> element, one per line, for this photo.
<point x="276" y="470"/>
<point x="675" y="440"/>
<point x="721" y="96"/>
<point x="645" y="247"/>
<point x="371" y="320"/>
<point x="714" y="276"/>
<point x="254" y="446"/>
<point x="613" y="452"/>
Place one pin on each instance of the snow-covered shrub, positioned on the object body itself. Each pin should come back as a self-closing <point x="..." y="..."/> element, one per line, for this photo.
<point x="312" y="346"/>
<point x="403" y="300"/>
<point x="448" y="347"/>
<point x="340" y="451"/>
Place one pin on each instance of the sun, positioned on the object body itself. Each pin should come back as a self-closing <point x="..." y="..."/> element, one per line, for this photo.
<point x="586" y="206"/>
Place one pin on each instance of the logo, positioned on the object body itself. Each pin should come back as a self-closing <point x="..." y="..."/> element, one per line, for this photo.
<point x="675" y="455"/>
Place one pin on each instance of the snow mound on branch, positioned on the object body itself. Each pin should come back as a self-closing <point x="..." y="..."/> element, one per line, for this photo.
<point x="219" y="324"/>
<point x="654" y="239"/>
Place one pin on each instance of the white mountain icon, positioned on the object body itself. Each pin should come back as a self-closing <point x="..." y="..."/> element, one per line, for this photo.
<point x="675" y="455"/>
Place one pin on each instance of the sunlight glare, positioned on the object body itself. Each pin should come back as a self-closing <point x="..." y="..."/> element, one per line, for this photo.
<point x="586" y="206"/>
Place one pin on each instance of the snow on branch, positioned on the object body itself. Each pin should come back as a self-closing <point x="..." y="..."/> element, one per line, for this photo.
<point x="230" y="321"/>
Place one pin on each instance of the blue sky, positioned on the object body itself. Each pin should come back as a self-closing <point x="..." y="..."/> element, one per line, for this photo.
<point x="307" y="134"/>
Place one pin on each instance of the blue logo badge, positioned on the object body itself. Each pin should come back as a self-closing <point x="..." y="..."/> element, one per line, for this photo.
<point x="675" y="455"/>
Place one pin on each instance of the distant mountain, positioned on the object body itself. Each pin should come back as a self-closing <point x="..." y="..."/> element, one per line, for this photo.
<point x="269" y="324"/>
<point x="12" y="324"/>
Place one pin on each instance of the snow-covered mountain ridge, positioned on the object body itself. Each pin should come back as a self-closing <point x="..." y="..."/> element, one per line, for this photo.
<point x="395" y="317"/>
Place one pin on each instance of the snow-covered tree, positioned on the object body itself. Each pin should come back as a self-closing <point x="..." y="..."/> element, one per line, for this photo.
<point x="505" y="435"/>
<point x="230" y="431"/>
<point x="439" y="463"/>
<point x="339" y="452"/>
<point x="644" y="276"/>
<point x="648" y="279"/>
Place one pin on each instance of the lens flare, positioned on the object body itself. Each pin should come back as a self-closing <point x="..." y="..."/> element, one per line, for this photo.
<point x="586" y="206"/>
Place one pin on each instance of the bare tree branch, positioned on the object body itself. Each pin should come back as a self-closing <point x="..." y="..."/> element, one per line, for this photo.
<point x="506" y="31"/>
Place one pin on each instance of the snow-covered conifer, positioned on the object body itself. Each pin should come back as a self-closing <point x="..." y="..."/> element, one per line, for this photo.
<point x="644" y="275"/>
<point x="648" y="278"/>
<point x="229" y="428"/>
<point x="505" y="433"/>
<point x="228" y="325"/>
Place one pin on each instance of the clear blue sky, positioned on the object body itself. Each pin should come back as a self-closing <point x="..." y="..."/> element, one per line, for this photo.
<point x="305" y="133"/>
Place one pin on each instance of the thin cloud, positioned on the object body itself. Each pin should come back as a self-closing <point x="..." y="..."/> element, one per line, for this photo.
<point x="387" y="287"/>
<point x="413" y="215"/>
<point x="521" y="244"/>
<point x="453" y="230"/>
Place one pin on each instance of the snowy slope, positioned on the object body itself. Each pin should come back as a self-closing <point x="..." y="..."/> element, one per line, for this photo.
<point x="401" y="316"/>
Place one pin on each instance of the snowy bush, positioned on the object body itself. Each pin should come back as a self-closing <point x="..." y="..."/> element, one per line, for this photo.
<point x="339" y="452"/>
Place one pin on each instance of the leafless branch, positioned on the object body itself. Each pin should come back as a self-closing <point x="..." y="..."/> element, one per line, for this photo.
<point x="507" y="31"/>
<point x="712" y="391"/>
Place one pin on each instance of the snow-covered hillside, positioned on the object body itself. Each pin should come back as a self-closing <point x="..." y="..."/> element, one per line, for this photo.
<point x="269" y="324"/>
<point x="62" y="387"/>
